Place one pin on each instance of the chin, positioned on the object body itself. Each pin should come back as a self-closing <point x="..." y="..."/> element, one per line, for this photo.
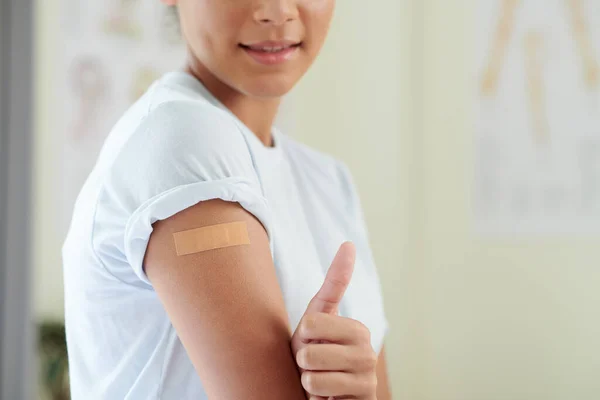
<point x="268" y="87"/>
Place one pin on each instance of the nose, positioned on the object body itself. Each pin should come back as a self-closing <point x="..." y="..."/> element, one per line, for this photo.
<point x="276" y="12"/>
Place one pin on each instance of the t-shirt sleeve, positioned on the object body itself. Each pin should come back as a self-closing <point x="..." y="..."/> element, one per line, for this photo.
<point x="181" y="154"/>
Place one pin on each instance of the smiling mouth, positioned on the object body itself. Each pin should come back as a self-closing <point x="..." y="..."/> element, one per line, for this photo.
<point x="270" y="48"/>
<point x="272" y="53"/>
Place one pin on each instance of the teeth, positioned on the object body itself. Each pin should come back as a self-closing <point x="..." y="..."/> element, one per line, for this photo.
<point x="269" y="49"/>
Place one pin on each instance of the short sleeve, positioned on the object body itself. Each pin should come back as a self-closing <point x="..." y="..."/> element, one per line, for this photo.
<point x="181" y="154"/>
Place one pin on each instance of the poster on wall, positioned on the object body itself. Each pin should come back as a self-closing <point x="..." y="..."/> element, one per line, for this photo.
<point x="537" y="140"/>
<point x="111" y="53"/>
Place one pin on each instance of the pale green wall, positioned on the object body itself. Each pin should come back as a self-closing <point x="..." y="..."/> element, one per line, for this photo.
<point x="514" y="319"/>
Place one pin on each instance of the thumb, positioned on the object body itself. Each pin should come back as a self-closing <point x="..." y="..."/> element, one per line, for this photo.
<point x="337" y="280"/>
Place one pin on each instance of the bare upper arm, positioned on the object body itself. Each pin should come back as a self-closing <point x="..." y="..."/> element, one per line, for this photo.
<point x="226" y="306"/>
<point x="383" y="384"/>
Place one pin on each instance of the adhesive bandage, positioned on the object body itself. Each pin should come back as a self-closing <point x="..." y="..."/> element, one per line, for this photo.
<point x="211" y="237"/>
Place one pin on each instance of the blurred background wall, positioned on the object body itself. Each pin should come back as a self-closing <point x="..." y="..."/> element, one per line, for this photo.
<point x="507" y="318"/>
<point x="47" y="283"/>
<point x="472" y="318"/>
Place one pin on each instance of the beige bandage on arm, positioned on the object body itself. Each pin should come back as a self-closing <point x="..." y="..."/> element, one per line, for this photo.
<point x="211" y="237"/>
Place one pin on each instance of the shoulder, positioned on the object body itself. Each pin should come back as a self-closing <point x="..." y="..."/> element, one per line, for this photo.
<point x="185" y="128"/>
<point x="183" y="125"/>
<point x="173" y="120"/>
<point x="179" y="141"/>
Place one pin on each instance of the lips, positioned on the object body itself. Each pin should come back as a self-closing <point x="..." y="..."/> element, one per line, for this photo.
<point x="272" y="52"/>
<point x="271" y="45"/>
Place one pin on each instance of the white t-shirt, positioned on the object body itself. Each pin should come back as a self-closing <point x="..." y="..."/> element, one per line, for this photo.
<point x="177" y="146"/>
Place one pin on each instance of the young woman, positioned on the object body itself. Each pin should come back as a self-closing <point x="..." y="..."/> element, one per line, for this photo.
<point x="274" y="318"/>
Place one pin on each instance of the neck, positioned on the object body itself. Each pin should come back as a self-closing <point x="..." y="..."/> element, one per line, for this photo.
<point x="257" y="114"/>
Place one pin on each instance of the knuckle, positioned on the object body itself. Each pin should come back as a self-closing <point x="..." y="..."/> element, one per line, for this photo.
<point x="369" y="360"/>
<point x="373" y="357"/>
<point x="339" y="282"/>
<point x="308" y="325"/>
<point x="363" y="333"/>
